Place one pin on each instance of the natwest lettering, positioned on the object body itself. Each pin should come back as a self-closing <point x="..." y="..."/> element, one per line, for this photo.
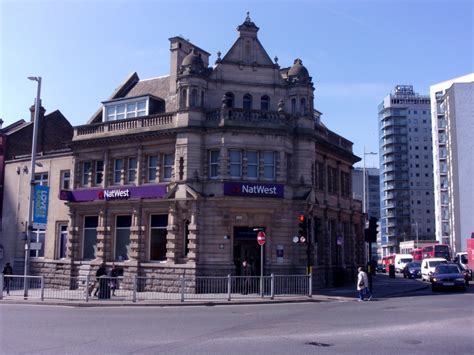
<point x="259" y="189"/>
<point x="116" y="194"/>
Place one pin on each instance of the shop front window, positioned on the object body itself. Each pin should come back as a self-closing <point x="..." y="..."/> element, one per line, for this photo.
<point x="158" y="232"/>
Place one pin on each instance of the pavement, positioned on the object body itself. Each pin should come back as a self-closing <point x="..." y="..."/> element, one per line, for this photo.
<point x="382" y="287"/>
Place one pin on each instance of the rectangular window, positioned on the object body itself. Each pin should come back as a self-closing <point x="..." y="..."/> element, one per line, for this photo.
<point x="122" y="237"/>
<point x="158" y="224"/>
<point x="320" y="176"/>
<point x="213" y="164"/>
<point x="235" y="163"/>
<point x="99" y="172"/>
<point x="37" y="236"/>
<point x="128" y="110"/>
<point x="86" y="169"/>
<point x="90" y="237"/>
<point x="252" y="165"/>
<point x="118" y="166"/>
<point x="269" y="165"/>
<point x="132" y="169"/>
<point x="65" y="180"/>
<point x="152" y="168"/>
<point x="62" y="240"/>
<point x="168" y="162"/>
<point x="41" y="179"/>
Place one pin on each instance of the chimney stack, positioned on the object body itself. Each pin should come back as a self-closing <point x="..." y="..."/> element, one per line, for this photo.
<point x="32" y="111"/>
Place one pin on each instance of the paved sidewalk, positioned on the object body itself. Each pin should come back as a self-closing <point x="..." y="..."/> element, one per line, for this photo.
<point x="383" y="287"/>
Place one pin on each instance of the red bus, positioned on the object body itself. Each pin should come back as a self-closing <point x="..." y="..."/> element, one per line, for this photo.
<point x="388" y="260"/>
<point x="437" y="251"/>
<point x="417" y="254"/>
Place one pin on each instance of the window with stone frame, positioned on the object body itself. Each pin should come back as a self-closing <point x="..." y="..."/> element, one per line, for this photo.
<point x="37" y="236"/>
<point x="345" y="184"/>
<point x="330" y="180"/>
<point x="235" y="163"/>
<point x="265" y="103"/>
<point x="247" y="102"/>
<point x="99" y="172"/>
<point x="152" y="168"/>
<point x="319" y="176"/>
<point x="65" y="176"/>
<point x="168" y="164"/>
<point x="89" y="244"/>
<point x="158" y="234"/>
<point x="86" y="171"/>
<point x="118" y="169"/>
<point x="62" y="240"/>
<point x="213" y="157"/>
<point x="269" y="165"/>
<point x="132" y="170"/>
<point x="122" y="237"/>
<point x="252" y="164"/>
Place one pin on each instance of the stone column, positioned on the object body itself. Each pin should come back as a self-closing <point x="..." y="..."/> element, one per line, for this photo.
<point x="135" y="233"/>
<point x="192" y="237"/>
<point x="172" y="251"/>
<point x="73" y="244"/>
<point x="103" y="238"/>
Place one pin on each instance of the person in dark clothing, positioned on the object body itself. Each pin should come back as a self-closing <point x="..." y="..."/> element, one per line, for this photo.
<point x="246" y="273"/>
<point x="114" y="273"/>
<point x="100" y="279"/>
<point x="7" y="272"/>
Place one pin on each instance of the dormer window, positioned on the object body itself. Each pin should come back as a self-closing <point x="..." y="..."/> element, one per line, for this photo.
<point x="120" y="111"/>
<point x="127" y="108"/>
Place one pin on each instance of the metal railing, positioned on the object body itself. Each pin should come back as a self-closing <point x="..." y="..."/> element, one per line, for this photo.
<point x="171" y="288"/>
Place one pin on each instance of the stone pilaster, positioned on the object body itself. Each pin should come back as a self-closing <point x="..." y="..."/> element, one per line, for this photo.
<point x="172" y="251"/>
<point x="192" y="237"/>
<point x="135" y="234"/>
<point x="103" y="238"/>
<point x="73" y="243"/>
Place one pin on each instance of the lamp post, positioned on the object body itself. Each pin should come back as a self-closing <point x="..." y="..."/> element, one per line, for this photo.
<point x="32" y="182"/>
<point x="364" y="209"/>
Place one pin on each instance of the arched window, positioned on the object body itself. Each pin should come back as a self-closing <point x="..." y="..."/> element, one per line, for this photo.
<point x="293" y="106"/>
<point x="229" y="99"/>
<point x="265" y="103"/>
<point x="193" y="99"/>
<point x="247" y="102"/>
<point x="202" y="98"/>
<point x="303" y="109"/>
<point x="184" y="98"/>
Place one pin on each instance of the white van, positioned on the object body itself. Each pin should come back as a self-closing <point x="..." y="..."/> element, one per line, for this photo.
<point x="428" y="267"/>
<point x="401" y="260"/>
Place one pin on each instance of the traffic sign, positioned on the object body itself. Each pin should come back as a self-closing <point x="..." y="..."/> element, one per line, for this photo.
<point x="261" y="238"/>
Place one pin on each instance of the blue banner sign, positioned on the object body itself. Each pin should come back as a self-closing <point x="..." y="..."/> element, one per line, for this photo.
<point x="40" y="206"/>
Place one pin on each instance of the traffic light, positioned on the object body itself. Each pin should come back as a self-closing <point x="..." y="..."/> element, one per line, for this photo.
<point x="371" y="232"/>
<point x="302" y="228"/>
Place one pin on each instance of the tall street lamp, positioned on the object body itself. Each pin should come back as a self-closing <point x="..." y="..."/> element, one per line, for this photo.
<point x="364" y="208"/>
<point x="32" y="182"/>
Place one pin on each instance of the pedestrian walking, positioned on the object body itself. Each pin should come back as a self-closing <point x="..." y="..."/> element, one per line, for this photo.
<point x="100" y="276"/>
<point x="7" y="272"/>
<point x="363" y="284"/>
<point x="246" y="273"/>
<point x="114" y="273"/>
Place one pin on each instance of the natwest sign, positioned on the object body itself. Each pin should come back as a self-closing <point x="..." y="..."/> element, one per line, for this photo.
<point x="253" y="189"/>
<point x="116" y="194"/>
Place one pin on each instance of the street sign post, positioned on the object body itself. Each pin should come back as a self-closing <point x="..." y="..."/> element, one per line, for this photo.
<point x="261" y="236"/>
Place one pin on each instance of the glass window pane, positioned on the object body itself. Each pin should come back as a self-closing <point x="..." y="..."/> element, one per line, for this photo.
<point x="124" y="221"/>
<point x="120" y="109"/>
<point x="141" y="105"/>
<point x="90" y="242"/>
<point x="158" y="244"/>
<point x="122" y="243"/>
<point x="159" y="220"/>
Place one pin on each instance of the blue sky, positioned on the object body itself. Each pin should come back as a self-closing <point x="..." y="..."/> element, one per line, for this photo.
<point x="355" y="50"/>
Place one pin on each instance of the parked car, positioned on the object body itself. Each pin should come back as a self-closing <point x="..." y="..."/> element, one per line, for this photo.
<point x="448" y="276"/>
<point x="381" y="268"/>
<point x="412" y="270"/>
<point x="428" y="267"/>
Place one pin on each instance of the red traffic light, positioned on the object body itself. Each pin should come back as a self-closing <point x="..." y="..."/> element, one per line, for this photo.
<point x="301" y="218"/>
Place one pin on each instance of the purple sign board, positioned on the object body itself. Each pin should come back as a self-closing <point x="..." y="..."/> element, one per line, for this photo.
<point x="114" y="193"/>
<point x="253" y="189"/>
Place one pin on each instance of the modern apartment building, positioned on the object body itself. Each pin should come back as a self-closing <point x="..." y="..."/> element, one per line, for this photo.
<point x="406" y="163"/>
<point x="452" y="107"/>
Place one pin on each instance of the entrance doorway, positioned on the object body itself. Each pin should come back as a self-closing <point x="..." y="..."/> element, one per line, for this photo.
<point x="247" y="248"/>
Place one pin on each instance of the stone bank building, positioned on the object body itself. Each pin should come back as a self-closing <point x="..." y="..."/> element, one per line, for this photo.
<point x="172" y="175"/>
